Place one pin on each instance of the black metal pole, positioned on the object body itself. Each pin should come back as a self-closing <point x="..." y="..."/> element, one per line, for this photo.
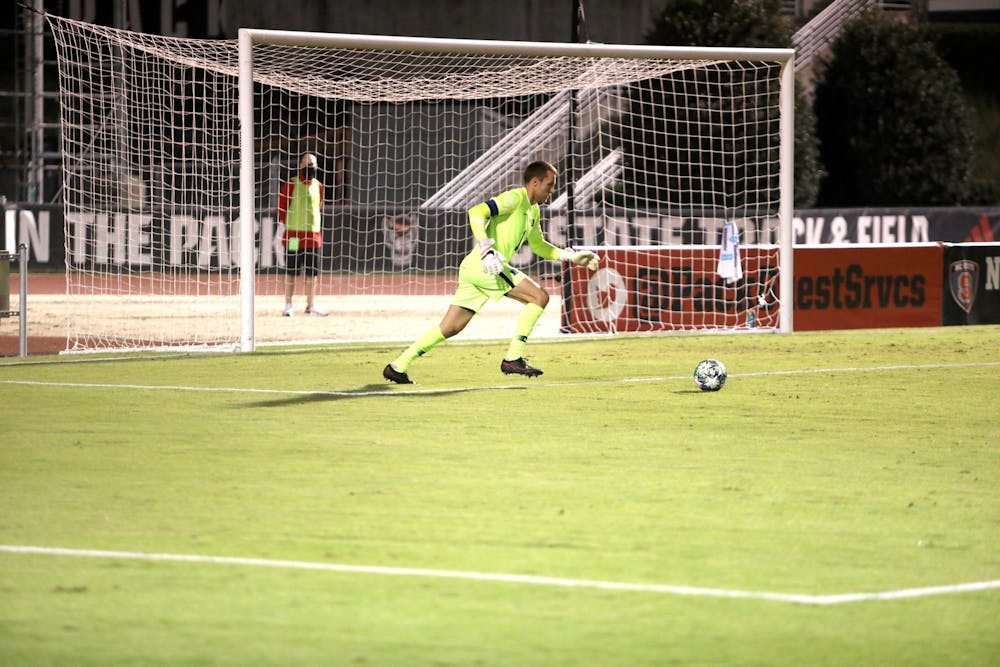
<point x="577" y="35"/>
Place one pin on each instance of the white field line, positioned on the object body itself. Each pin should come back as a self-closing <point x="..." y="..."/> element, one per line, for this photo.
<point x="666" y="589"/>
<point x="399" y="391"/>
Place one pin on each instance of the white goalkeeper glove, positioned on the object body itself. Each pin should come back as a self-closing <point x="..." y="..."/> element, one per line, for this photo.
<point x="492" y="260"/>
<point x="580" y="258"/>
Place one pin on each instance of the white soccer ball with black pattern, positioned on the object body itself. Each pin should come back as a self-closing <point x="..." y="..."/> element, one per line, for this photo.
<point x="710" y="375"/>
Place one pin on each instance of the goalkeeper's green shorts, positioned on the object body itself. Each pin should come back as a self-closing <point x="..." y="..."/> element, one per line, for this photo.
<point x="476" y="288"/>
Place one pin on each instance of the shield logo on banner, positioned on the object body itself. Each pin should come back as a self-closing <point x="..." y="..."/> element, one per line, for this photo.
<point x="963" y="277"/>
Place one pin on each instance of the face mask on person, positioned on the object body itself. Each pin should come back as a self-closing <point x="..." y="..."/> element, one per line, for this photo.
<point x="308" y="173"/>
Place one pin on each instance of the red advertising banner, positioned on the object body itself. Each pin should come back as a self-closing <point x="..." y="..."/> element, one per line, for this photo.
<point x="864" y="287"/>
<point x="670" y="288"/>
<point x="835" y="287"/>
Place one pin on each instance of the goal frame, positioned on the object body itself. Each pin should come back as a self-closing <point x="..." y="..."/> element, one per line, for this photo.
<point x="249" y="37"/>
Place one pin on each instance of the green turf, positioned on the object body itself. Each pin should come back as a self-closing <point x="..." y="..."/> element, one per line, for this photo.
<point x="831" y="480"/>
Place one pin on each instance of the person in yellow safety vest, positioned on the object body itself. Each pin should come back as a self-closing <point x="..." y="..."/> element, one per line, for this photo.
<point x="300" y="208"/>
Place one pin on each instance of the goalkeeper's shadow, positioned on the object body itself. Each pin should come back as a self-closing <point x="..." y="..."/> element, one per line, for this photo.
<point x="366" y="391"/>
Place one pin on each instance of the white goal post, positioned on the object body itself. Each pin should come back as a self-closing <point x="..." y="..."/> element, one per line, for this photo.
<point x="175" y="151"/>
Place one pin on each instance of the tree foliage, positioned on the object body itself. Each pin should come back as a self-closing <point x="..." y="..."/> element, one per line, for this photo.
<point x="705" y="123"/>
<point x="808" y="168"/>
<point x="745" y="23"/>
<point x="891" y="119"/>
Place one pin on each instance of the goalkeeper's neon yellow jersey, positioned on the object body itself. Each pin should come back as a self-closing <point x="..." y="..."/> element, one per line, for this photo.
<point x="509" y="219"/>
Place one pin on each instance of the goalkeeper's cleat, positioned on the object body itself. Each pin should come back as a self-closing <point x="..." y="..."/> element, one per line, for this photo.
<point x="519" y="367"/>
<point x="392" y="375"/>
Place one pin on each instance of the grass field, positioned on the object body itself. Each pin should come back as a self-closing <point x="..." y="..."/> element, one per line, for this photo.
<point x="607" y="513"/>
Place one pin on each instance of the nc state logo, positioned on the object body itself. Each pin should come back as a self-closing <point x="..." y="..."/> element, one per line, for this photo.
<point x="963" y="278"/>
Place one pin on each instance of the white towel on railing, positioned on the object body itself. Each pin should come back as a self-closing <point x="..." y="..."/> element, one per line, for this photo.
<point x="730" y="266"/>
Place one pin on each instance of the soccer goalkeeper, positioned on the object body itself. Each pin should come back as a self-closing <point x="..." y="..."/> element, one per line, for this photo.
<point x="500" y="226"/>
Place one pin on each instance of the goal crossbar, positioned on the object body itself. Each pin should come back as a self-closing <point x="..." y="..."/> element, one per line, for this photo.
<point x="505" y="47"/>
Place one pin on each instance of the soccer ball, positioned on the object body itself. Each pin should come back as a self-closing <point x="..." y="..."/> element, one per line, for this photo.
<point x="710" y="375"/>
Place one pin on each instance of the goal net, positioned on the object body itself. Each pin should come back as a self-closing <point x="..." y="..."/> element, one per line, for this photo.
<point x="666" y="156"/>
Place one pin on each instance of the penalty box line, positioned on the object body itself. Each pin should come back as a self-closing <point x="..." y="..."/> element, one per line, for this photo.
<point x="666" y="589"/>
<point x="390" y="390"/>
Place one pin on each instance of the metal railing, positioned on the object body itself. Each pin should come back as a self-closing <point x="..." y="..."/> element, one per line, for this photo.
<point x="812" y="38"/>
<point x="545" y="128"/>
<point x="602" y="175"/>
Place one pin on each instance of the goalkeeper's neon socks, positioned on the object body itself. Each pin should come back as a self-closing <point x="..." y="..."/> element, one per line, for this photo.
<point x="392" y="375"/>
<point x="525" y="325"/>
<point x="421" y="346"/>
<point x="519" y="367"/>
